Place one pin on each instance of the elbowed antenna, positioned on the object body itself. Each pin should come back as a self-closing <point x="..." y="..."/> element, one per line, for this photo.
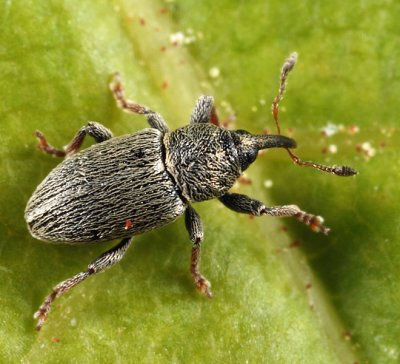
<point x="342" y="171"/>
<point x="288" y="65"/>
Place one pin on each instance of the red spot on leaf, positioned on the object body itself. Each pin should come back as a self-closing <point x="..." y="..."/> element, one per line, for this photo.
<point x="295" y="244"/>
<point x="283" y="228"/>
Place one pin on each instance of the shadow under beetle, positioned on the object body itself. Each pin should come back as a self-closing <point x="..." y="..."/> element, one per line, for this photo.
<point x="125" y="186"/>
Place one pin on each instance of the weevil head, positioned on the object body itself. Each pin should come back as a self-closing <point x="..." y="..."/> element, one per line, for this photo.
<point x="248" y="145"/>
<point x="205" y="160"/>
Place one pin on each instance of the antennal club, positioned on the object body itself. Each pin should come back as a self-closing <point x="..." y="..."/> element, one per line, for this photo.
<point x="288" y="65"/>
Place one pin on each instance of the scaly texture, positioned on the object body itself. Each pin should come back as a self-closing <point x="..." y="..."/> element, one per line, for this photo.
<point x="91" y="195"/>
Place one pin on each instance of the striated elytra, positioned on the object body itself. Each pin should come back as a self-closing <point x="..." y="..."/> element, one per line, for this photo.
<point x="125" y="186"/>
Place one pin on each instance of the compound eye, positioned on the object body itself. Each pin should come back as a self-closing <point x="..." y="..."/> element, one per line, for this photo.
<point x="251" y="156"/>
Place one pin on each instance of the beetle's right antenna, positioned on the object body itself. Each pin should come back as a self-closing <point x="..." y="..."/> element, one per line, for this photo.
<point x="288" y="65"/>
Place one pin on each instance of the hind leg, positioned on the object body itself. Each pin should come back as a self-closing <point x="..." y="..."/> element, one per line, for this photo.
<point x="97" y="131"/>
<point x="104" y="261"/>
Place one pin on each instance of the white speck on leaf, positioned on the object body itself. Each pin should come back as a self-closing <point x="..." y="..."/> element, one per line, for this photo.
<point x="214" y="72"/>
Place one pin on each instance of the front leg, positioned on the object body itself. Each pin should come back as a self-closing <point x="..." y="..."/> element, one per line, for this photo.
<point x="194" y="227"/>
<point x="244" y="204"/>
<point x="204" y="111"/>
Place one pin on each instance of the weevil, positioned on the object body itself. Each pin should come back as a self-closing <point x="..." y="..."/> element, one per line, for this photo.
<point x="128" y="185"/>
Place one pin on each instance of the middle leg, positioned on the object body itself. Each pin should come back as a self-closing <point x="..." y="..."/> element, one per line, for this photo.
<point x="195" y="228"/>
<point x="154" y="119"/>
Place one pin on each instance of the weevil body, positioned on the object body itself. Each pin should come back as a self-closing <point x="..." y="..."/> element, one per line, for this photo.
<point x="125" y="186"/>
<point x="148" y="177"/>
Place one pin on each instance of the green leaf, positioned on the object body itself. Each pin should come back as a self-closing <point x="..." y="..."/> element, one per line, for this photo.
<point x="282" y="294"/>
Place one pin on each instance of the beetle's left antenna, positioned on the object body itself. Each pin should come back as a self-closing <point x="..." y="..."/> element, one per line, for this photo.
<point x="288" y="65"/>
<point x="286" y="68"/>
